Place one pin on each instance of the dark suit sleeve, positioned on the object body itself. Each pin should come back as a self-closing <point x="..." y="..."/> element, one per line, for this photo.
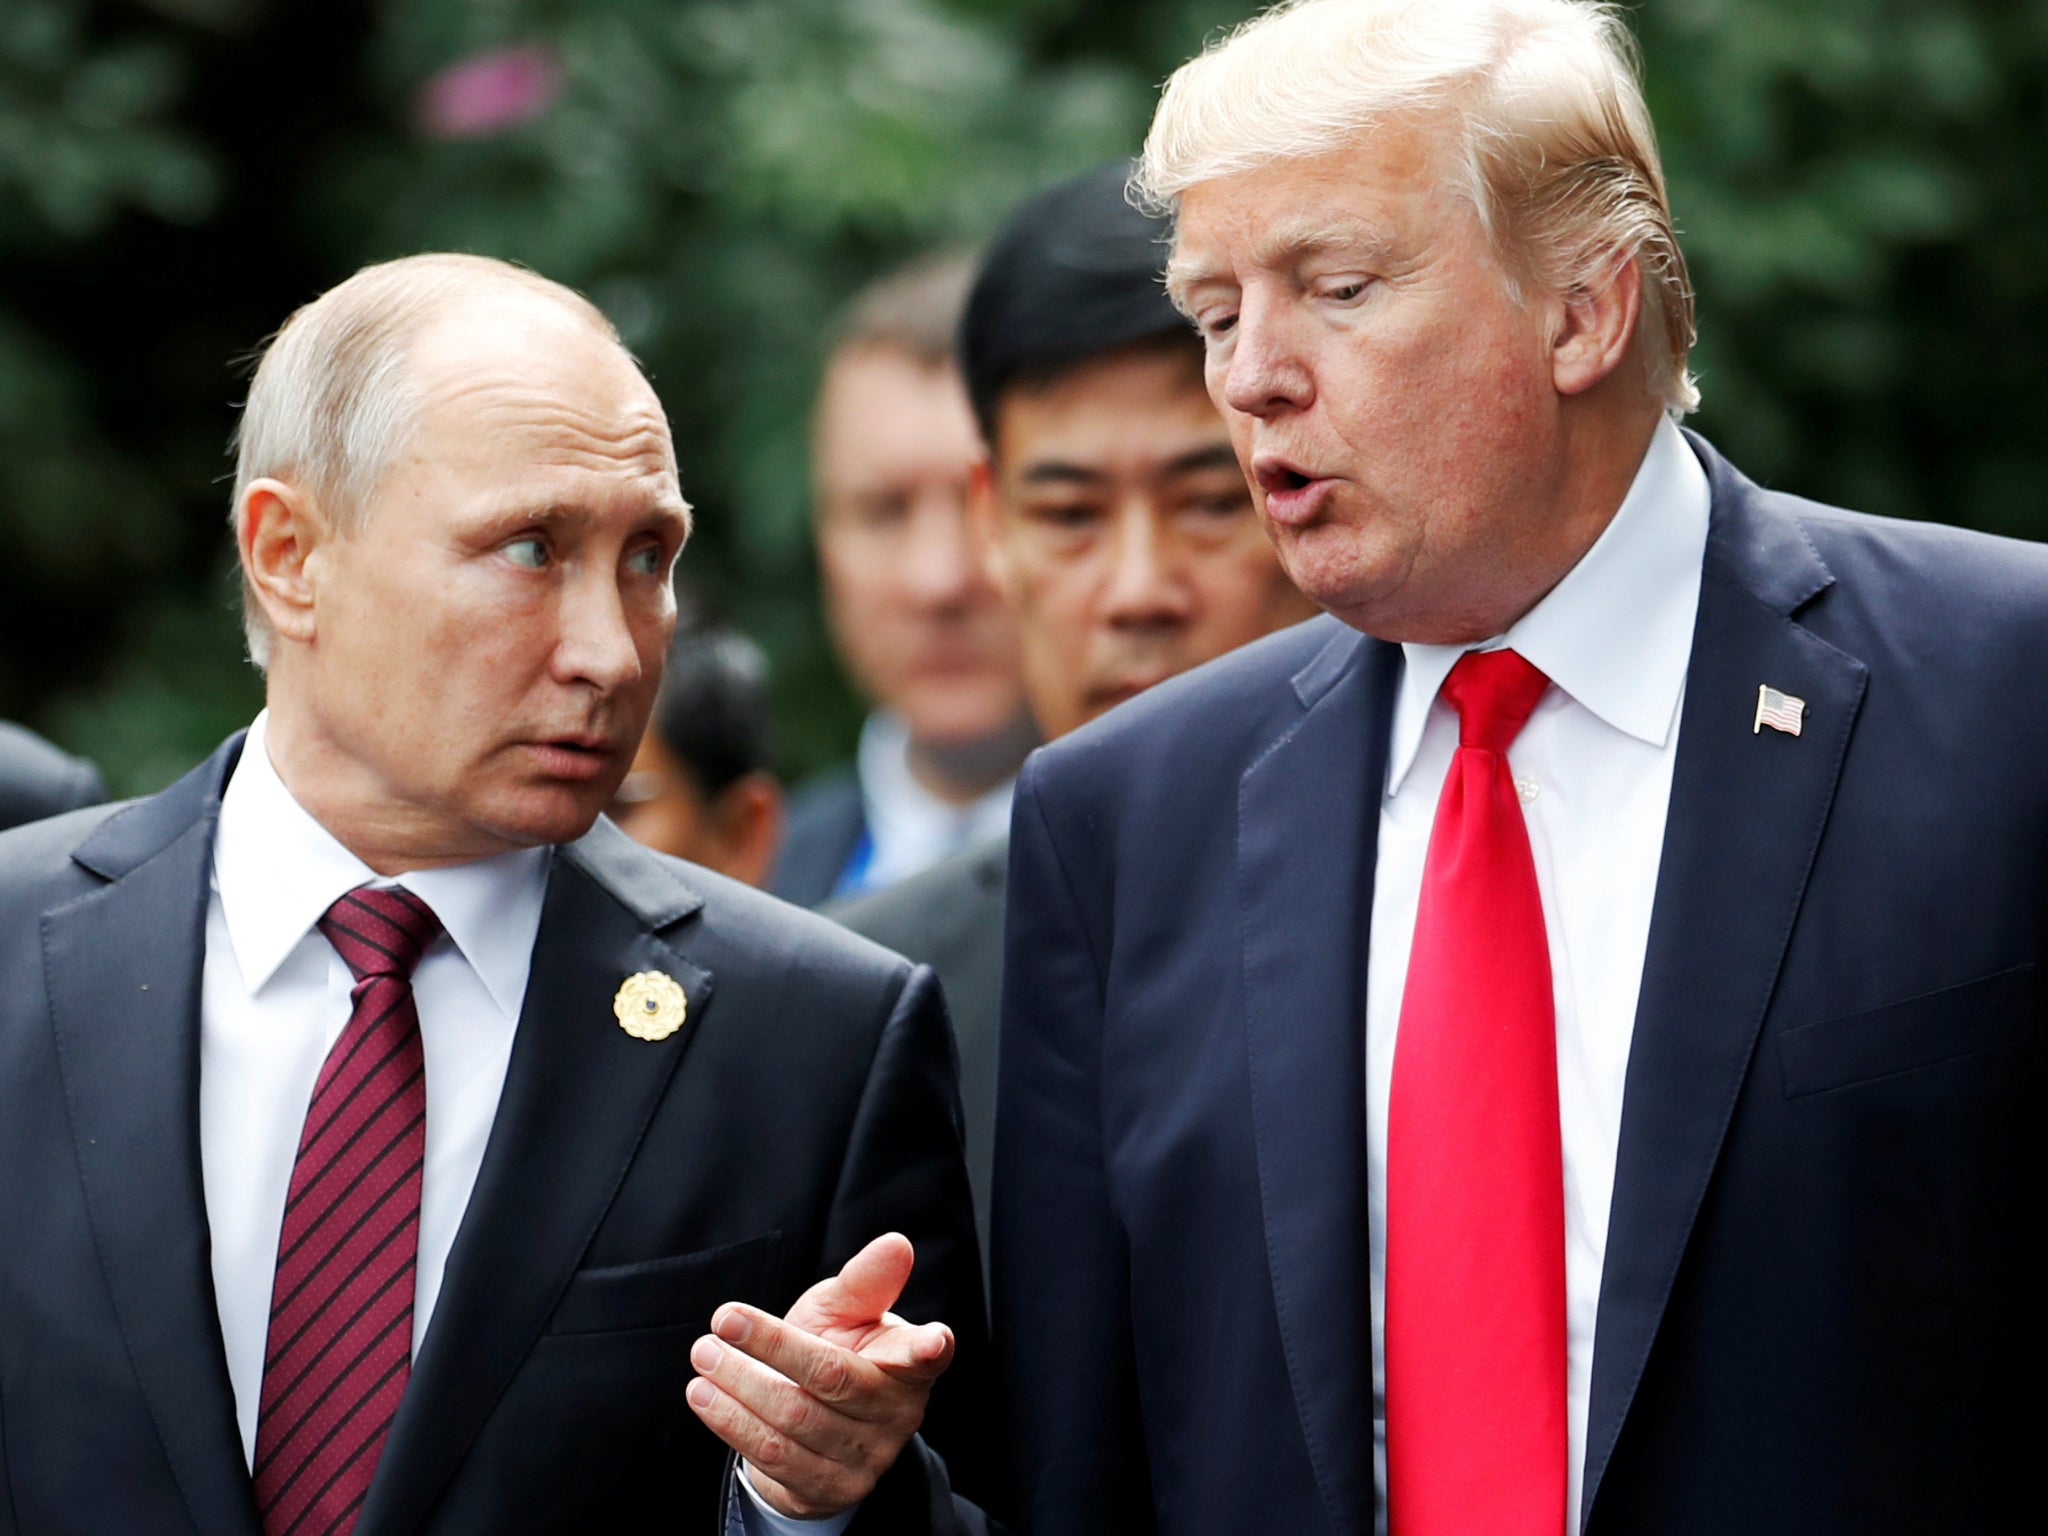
<point x="37" y="780"/>
<point x="904" y="1173"/>
<point x="1061" y="1272"/>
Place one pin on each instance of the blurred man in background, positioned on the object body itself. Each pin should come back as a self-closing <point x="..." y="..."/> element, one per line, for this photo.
<point x="1117" y="527"/>
<point x="914" y="618"/>
<point x="38" y="780"/>
<point x="702" y="786"/>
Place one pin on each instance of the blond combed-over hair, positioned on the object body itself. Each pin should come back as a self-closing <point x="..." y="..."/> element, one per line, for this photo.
<point x="1558" y="155"/>
<point x="334" y="400"/>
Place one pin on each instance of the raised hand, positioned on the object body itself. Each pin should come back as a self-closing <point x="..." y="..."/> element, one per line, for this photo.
<point x="821" y="1402"/>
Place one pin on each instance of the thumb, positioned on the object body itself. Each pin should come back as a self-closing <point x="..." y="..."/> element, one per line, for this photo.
<point x="862" y="1291"/>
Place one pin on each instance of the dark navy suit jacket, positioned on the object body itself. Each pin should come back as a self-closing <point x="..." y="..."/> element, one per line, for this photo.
<point x="628" y="1187"/>
<point x="1822" y="1310"/>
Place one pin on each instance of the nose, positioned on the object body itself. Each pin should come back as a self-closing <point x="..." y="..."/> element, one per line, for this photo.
<point x="940" y="569"/>
<point x="1144" y="590"/>
<point x="1263" y="370"/>
<point x="597" y="644"/>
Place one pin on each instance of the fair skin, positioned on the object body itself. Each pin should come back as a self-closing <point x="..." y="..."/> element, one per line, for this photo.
<point x="821" y="1401"/>
<point x="734" y="831"/>
<point x="911" y="612"/>
<point x="1120" y="531"/>
<point x="1430" y="453"/>
<point x="467" y="669"/>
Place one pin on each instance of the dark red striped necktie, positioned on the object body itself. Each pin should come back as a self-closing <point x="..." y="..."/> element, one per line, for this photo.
<point x="340" y="1345"/>
<point x="1475" y="1327"/>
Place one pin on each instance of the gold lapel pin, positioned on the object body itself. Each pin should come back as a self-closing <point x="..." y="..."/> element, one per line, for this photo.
<point x="650" y="1006"/>
<point x="1780" y="711"/>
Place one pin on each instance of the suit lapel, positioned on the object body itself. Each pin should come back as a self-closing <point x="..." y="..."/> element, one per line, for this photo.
<point x="578" y="1095"/>
<point x="1746" y="814"/>
<point x="1308" y="824"/>
<point x="123" y="969"/>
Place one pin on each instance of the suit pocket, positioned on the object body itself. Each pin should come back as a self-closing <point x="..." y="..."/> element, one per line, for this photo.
<point x="678" y="1292"/>
<point x="1934" y="1027"/>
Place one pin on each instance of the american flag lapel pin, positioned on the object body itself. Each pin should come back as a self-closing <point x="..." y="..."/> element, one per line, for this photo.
<point x="1780" y="711"/>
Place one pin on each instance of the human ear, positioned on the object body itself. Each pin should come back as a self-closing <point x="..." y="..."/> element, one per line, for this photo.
<point x="1595" y="326"/>
<point x="277" y="531"/>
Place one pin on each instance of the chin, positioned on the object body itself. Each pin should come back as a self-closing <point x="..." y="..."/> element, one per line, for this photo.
<point x="550" y="816"/>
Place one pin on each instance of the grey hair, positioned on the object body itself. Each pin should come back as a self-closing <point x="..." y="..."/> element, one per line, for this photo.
<point x="1558" y="154"/>
<point x="334" y="401"/>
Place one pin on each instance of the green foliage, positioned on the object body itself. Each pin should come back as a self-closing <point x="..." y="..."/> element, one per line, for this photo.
<point x="1859" y="184"/>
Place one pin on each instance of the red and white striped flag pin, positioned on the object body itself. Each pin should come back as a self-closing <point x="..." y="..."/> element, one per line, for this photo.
<point x="1780" y="711"/>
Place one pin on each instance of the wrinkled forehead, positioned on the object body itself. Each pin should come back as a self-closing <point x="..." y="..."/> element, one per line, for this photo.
<point x="1360" y="197"/>
<point x="539" y="380"/>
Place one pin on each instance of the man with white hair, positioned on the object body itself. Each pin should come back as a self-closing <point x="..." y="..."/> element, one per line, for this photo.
<point x="1556" y="1044"/>
<point x="387" y="1143"/>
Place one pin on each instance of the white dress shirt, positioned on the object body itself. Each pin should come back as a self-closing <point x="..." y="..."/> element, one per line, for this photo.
<point x="1593" y="769"/>
<point x="910" y="828"/>
<point x="275" y="996"/>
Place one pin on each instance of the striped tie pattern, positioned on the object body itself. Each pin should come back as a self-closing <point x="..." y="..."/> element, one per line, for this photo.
<point x="340" y="1346"/>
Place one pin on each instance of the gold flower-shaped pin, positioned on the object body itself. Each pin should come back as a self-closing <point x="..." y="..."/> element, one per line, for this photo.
<point x="650" y="1006"/>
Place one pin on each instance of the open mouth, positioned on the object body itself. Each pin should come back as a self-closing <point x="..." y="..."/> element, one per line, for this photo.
<point x="1278" y="476"/>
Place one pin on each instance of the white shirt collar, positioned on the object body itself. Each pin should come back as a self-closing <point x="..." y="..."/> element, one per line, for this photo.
<point x="909" y="826"/>
<point x="1616" y="633"/>
<point x="277" y="870"/>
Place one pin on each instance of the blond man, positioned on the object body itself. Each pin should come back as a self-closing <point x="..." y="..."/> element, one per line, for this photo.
<point x="1555" y="1045"/>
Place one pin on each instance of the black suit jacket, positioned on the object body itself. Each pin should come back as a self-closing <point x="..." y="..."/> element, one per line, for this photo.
<point x="627" y="1188"/>
<point x="950" y="917"/>
<point x="38" y="780"/>
<point x="1821" y="1309"/>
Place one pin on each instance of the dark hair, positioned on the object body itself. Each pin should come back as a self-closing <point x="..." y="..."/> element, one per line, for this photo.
<point x="1077" y="271"/>
<point x="713" y="711"/>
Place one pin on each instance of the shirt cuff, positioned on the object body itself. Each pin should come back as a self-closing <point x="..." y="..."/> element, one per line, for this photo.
<point x="761" y="1520"/>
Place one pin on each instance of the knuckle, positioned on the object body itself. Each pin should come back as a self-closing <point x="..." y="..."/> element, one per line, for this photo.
<point x="802" y="1416"/>
<point x="831" y="1379"/>
<point x="773" y="1450"/>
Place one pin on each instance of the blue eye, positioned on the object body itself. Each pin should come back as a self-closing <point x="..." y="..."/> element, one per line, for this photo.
<point x="645" y="562"/>
<point x="530" y="553"/>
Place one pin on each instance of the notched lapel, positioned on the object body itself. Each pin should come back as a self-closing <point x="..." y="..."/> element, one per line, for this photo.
<point x="123" y="969"/>
<point x="579" y="1092"/>
<point x="1747" y="811"/>
<point x="1308" y="827"/>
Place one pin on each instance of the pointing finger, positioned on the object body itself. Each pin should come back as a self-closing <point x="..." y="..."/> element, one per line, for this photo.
<point x="911" y="1352"/>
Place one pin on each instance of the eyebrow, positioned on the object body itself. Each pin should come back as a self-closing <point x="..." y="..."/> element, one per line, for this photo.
<point x="1057" y="472"/>
<point x="678" y="513"/>
<point x="1283" y="245"/>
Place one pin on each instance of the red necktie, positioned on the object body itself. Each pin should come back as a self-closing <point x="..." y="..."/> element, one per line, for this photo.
<point x="340" y="1346"/>
<point x="1475" y="1325"/>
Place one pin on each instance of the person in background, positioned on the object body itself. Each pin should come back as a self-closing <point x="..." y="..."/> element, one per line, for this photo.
<point x="1116" y="525"/>
<point x="915" y="620"/>
<point x="38" y="780"/>
<point x="702" y="786"/>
